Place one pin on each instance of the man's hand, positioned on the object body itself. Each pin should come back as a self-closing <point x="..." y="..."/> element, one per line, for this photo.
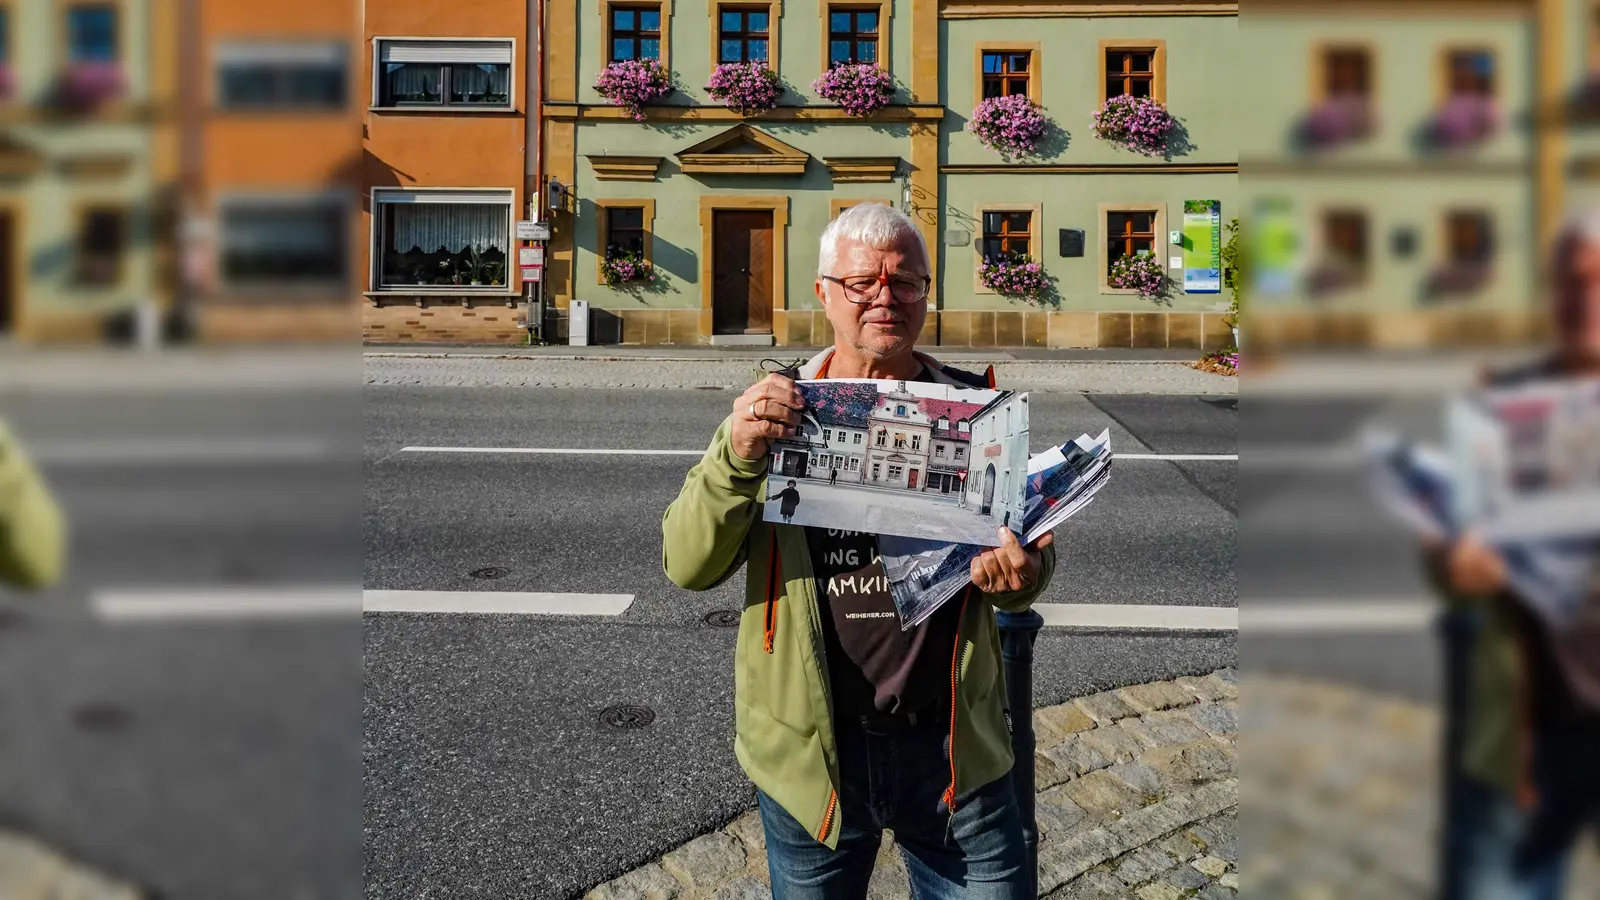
<point x="1009" y="568"/>
<point x="770" y="409"/>
<point x="1473" y="567"/>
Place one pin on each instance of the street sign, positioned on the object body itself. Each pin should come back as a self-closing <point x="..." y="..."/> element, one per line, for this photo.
<point x="533" y="273"/>
<point x="530" y="256"/>
<point x="533" y="231"/>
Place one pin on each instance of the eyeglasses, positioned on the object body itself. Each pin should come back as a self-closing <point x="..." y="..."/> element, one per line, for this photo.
<point x="863" y="289"/>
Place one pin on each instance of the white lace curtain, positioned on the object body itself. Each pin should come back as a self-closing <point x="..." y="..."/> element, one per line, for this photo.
<point x="453" y="226"/>
<point x="481" y="80"/>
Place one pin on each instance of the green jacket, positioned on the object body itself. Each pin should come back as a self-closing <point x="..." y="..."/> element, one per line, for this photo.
<point x="32" y="532"/>
<point x="784" y="736"/>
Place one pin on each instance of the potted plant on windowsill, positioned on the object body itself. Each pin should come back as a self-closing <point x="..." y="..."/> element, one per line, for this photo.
<point x="86" y="85"/>
<point x="1141" y="272"/>
<point x="624" y="268"/>
<point x="1338" y="120"/>
<point x="1012" y="125"/>
<point x="1464" y="120"/>
<point x="745" y="87"/>
<point x="1140" y="124"/>
<point x="861" y="88"/>
<point x="1014" y="275"/>
<point x="1456" y="278"/>
<point x="633" y="84"/>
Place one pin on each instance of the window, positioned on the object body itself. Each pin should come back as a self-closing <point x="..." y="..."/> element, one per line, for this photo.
<point x="468" y="74"/>
<point x="883" y="437"/>
<point x="916" y="442"/>
<point x="900" y="410"/>
<point x="1130" y="71"/>
<point x="895" y="472"/>
<point x="1006" y="234"/>
<point x="899" y="442"/>
<point x="5" y="36"/>
<point x="857" y="438"/>
<point x="1006" y="73"/>
<point x="961" y="452"/>
<point x="635" y="32"/>
<point x="281" y="76"/>
<point x="1467" y="238"/>
<point x="443" y="238"/>
<point x="283" y="242"/>
<point x="875" y="468"/>
<point x="852" y="36"/>
<point x="92" y="33"/>
<point x="1470" y="73"/>
<point x="743" y="35"/>
<point x="855" y="463"/>
<point x="963" y="426"/>
<point x="1129" y="234"/>
<point x="827" y="434"/>
<point x="624" y="230"/>
<point x="102" y="242"/>
<point x="938" y="450"/>
<point x="1347" y="72"/>
<point x="1344" y="237"/>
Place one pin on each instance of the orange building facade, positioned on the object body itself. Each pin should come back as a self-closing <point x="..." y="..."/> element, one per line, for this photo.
<point x="449" y="167"/>
<point x="269" y="182"/>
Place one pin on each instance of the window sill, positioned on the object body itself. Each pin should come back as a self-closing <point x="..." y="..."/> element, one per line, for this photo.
<point x="435" y="110"/>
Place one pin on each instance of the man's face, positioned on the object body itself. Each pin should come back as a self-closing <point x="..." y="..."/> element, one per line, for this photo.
<point x="1577" y="298"/>
<point x="881" y="328"/>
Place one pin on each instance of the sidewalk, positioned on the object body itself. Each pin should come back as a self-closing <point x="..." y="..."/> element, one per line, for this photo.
<point x="1138" y="794"/>
<point x="31" y="871"/>
<point x="686" y="352"/>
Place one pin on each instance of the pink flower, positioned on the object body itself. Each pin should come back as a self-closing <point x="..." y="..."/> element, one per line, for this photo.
<point x="1011" y="125"/>
<point x="1014" y="275"/>
<point x="745" y="86"/>
<point x="1337" y="120"/>
<point x="634" y="83"/>
<point x="1465" y="119"/>
<point x="1140" y="124"/>
<point x="862" y="88"/>
<point x="88" y="84"/>
<point x="1140" y="272"/>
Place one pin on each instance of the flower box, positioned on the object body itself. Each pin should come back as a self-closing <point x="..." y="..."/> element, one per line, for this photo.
<point x="861" y="88"/>
<point x="1141" y="272"/>
<point x="1458" y="278"/>
<point x="1465" y="120"/>
<point x="633" y="84"/>
<point x="1011" y="125"/>
<point x="85" y="85"/>
<point x="622" y="269"/>
<point x="1338" y="120"/>
<point x="1014" y="276"/>
<point x="745" y="87"/>
<point x="1140" y="124"/>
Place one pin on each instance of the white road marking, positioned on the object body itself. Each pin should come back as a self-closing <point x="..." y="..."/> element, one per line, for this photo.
<point x="167" y="604"/>
<point x="1350" y="616"/>
<point x="597" y="451"/>
<point x="1152" y="618"/>
<point x="137" y="451"/>
<point x="523" y="603"/>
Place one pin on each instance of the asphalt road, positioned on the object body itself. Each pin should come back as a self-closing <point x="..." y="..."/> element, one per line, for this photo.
<point x="488" y="772"/>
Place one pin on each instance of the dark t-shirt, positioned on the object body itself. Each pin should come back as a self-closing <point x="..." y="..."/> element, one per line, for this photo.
<point x="872" y="664"/>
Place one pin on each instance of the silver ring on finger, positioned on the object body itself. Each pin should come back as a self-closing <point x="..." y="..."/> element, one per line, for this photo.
<point x="753" y="416"/>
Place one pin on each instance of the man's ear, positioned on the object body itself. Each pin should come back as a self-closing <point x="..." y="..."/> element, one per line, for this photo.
<point x="822" y="295"/>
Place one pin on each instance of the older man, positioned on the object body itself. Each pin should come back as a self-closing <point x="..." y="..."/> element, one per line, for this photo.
<point x="1526" y="782"/>
<point x="847" y="724"/>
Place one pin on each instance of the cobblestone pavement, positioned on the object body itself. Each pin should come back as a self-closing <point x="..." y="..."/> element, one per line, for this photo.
<point x="1138" y="792"/>
<point x="1123" y="377"/>
<point x="31" y="871"/>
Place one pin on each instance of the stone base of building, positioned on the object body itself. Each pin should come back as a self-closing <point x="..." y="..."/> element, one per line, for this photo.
<point x="280" y="323"/>
<point x="490" y="322"/>
<point x="1392" y="330"/>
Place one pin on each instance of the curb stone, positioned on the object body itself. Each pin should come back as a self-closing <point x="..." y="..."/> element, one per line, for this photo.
<point x="1157" y="824"/>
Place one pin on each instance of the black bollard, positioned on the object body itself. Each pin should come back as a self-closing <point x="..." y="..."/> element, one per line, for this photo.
<point x="1017" y="634"/>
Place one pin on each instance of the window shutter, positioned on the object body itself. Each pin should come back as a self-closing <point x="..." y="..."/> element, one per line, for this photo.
<point x="445" y="52"/>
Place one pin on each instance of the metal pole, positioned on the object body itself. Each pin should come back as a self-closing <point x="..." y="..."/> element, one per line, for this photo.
<point x="1017" y="634"/>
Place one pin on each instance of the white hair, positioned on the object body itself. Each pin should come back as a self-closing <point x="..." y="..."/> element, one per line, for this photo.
<point x="879" y="227"/>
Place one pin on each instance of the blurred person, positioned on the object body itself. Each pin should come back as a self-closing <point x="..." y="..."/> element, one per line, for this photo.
<point x="32" y="530"/>
<point x="1522" y="754"/>
<point x="846" y="723"/>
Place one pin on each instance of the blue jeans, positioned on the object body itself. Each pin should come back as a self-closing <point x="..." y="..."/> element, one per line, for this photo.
<point x="897" y="782"/>
<point x="1506" y="853"/>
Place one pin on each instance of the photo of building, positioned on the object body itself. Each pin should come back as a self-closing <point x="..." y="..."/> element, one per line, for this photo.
<point x="896" y="454"/>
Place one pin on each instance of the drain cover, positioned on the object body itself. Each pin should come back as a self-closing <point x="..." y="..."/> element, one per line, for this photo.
<point x="628" y="715"/>
<point x="490" y="572"/>
<point x="100" y="717"/>
<point x="723" y="618"/>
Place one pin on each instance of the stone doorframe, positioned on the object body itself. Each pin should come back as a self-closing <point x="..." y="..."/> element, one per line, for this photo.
<point x="779" y="207"/>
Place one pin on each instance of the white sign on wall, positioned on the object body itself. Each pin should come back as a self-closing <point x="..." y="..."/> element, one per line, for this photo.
<point x="533" y="231"/>
<point x="530" y="256"/>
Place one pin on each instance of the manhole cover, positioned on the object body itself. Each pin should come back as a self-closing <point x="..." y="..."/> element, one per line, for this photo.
<point x="490" y="572"/>
<point x="100" y="717"/>
<point x="627" y="716"/>
<point x="723" y="618"/>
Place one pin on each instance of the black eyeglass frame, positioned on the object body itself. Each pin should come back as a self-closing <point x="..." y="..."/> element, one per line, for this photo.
<point x="856" y="295"/>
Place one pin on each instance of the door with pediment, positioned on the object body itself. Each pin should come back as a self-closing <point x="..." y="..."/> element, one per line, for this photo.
<point x="741" y="271"/>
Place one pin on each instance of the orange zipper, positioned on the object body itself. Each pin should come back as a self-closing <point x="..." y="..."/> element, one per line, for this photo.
<point x="955" y="669"/>
<point x="773" y="566"/>
<point x="827" y="820"/>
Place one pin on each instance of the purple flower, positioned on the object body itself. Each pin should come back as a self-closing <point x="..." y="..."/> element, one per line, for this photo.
<point x="745" y="86"/>
<point x="1465" y="119"/>
<point x="1140" y="124"/>
<point x="88" y="84"/>
<point x="1014" y="275"/>
<point x="1337" y="120"/>
<point x="634" y="83"/>
<point x="1011" y="125"/>
<point x="862" y="88"/>
<point x="1140" y="272"/>
<point x="623" y="268"/>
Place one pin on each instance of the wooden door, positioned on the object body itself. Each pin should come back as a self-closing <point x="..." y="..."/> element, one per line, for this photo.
<point x="741" y="272"/>
<point x="912" y="483"/>
<point x="8" y="271"/>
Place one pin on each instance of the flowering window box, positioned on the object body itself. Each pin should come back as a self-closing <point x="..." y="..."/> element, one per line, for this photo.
<point x="1011" y="126"/>
<point x="745" y="87"/>
<point x="1338" y="120"/>
<point x="1458" y="278"/>
<point x="85" y="85"/>
<point x="861" y="88"/>
<point x="634" y="84"/>
<point x="1014" y="275"/>
<point x="1140" y="124"/>
<point x="1465" y="120"/>
<point x="1332" y="277"/>
<point x="626" y="268"/>
<point x="1141" y="272"/>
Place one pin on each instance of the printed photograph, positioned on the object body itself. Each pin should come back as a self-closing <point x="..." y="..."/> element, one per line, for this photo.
<point x="904" y="458"/>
